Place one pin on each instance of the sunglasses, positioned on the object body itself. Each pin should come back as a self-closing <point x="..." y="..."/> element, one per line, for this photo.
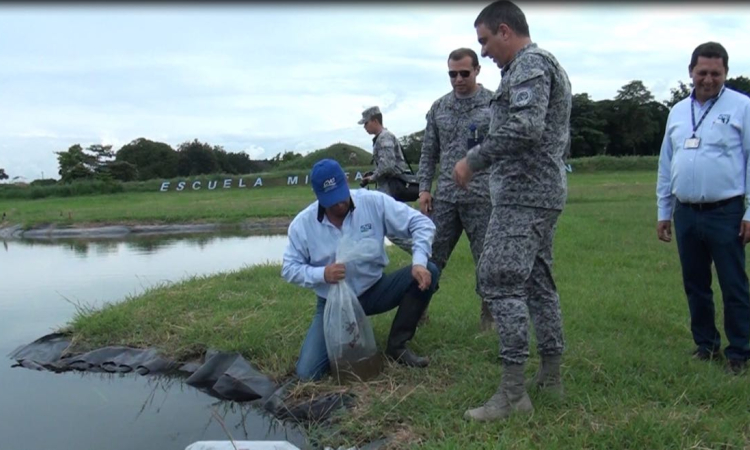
<point x="454" y="73"/>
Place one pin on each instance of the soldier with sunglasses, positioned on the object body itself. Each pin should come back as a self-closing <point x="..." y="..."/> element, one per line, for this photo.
<point x="457" y="122"/>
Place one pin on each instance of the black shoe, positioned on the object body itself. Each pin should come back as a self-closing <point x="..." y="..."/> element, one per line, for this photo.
<point x="406" y="357"/>
<point x="706" y="355"/>
<point x="737" y="366"/>
<point x="402" y="330"/>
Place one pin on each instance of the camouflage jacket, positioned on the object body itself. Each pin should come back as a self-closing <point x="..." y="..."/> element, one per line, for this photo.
<point x="387" y="156"/>
<point x="454" y="125"/>
<point x="529" y="133"/>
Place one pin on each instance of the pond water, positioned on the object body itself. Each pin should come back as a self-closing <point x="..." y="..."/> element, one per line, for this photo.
<point x="43" y="281"/>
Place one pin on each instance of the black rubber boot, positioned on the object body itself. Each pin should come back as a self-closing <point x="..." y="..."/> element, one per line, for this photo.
<point x="402" y="330"/>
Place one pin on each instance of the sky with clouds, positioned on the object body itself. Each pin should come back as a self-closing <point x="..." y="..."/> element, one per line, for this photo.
<point x="263" y="79"/>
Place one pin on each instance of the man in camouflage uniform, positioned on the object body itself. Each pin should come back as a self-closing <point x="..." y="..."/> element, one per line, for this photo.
<point x="457" y="122"/>
<point x="529" y="134"/>
<point x="388" y="159"/>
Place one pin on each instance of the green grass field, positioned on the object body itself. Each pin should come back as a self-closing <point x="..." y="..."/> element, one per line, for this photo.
<point x="629" y="378"/>
<point x="220" y="206"/>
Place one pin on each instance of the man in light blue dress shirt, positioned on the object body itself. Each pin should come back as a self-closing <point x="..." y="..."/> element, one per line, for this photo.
<point x="309" y="261"/>
<point x="702" y="184"/>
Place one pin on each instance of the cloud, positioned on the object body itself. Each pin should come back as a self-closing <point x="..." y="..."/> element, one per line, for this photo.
<point x="255" y="152"/>
<point x="264" y="79"/>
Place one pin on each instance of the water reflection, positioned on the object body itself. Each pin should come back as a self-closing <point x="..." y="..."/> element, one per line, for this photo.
<point x="148" y="243"/>
<point x="80" y="410"/>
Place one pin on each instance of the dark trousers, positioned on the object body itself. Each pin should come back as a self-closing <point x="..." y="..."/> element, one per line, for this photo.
<point x="387" y="293"/>
<point x="710" y="236"/>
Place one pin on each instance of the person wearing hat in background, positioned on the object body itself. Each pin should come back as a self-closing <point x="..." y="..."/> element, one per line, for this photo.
<point x="386" y="151"/>
<point x="309" y="261"/>
<point x="388" y="159"/>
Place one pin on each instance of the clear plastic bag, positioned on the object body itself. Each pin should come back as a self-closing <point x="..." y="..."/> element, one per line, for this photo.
<point x="348" y="332"/>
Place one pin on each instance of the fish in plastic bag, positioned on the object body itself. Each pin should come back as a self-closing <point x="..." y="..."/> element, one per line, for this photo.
<point x="348" y="333"/>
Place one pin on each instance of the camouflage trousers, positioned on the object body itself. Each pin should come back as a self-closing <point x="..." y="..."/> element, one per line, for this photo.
<point x="451" y="219"/>
<point x="515" y="278"/>
<point x="403" y="244"/>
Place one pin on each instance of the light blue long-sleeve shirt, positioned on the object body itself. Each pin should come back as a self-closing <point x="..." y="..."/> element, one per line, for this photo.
<point x="313" y="240"/>
<point x="718" y="168"/>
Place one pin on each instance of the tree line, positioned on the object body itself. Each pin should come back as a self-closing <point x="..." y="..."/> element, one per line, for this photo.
<point x="631" y="124"/>
<point x="143" y="159"/>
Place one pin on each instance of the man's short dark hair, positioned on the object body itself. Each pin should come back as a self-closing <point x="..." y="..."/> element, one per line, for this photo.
<point x="378" y="117"/>
<point x="503" y="11"/>
<point x="461" y="53"/>
<point x="710" y="50"/>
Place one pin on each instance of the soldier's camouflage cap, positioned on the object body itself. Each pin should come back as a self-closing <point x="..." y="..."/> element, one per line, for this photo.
<point x="368" y="114"/>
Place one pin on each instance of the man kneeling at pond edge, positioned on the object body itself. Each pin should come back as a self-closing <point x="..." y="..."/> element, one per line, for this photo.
<point x="309" y="261"/>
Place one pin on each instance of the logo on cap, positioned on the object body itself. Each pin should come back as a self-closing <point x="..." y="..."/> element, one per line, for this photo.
<point x="329" y="183"/>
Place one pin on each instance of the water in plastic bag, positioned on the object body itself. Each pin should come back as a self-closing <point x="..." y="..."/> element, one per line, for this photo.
<point x="350" y="341"/>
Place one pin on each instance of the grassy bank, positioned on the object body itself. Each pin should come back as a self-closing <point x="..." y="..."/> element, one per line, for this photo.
<point x="280" y="177"/>
<point x="221" y="206"/>
<point x="629" y="379"/>
<point x="143" y="202"/>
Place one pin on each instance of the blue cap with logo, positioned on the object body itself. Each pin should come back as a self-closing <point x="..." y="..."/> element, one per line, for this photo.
<point x="329" y="182"/>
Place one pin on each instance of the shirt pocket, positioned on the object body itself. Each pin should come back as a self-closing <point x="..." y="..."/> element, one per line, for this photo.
<point x="365" y="230"/>
<point x="717" y="134"/>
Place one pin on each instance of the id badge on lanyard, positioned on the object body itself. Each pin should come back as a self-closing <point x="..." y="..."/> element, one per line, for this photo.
<point x="693" y="142"/>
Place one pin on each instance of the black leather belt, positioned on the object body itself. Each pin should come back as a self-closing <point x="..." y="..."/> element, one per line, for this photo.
<point x="712" y="205"/>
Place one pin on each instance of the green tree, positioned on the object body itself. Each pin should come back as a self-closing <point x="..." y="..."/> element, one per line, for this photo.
<point x="740" y="84"/>
<point x="635" y="92"/>
<point x="241" y="163"/>
<point x="677" y="94"/>
<point x="222" y="160"/>
<point x="3" y="175"/>
<point x="122" y="171"/>
<point x="290" y="156"/>
<point x="151" y="159"/>
<point x="43" y="182"/>
<point x="285" y="157"/>
<point x="75" y="164"/>
<point x="411" y="144"/>
<point x="632" y="121"/>
<point x="587" y="137"/>
<point x="78" y="163"/>
<point x="234" y="163"/>
<point x="196" y="158"/>
<point x="102" y="153"/>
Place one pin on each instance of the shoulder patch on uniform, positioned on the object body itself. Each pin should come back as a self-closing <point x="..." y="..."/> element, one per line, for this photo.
<point x="522" y="97"/>
<point x="525" y="74"/>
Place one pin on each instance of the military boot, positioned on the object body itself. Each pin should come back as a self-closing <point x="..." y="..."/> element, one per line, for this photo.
<point x="510" y="398"/>
<point x="402" y="330"/>
<point x="548" y="377"/>
<point x="486" y="321"/>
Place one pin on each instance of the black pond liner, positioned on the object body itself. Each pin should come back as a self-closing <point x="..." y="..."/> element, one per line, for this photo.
<point x="226" y="376"/>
